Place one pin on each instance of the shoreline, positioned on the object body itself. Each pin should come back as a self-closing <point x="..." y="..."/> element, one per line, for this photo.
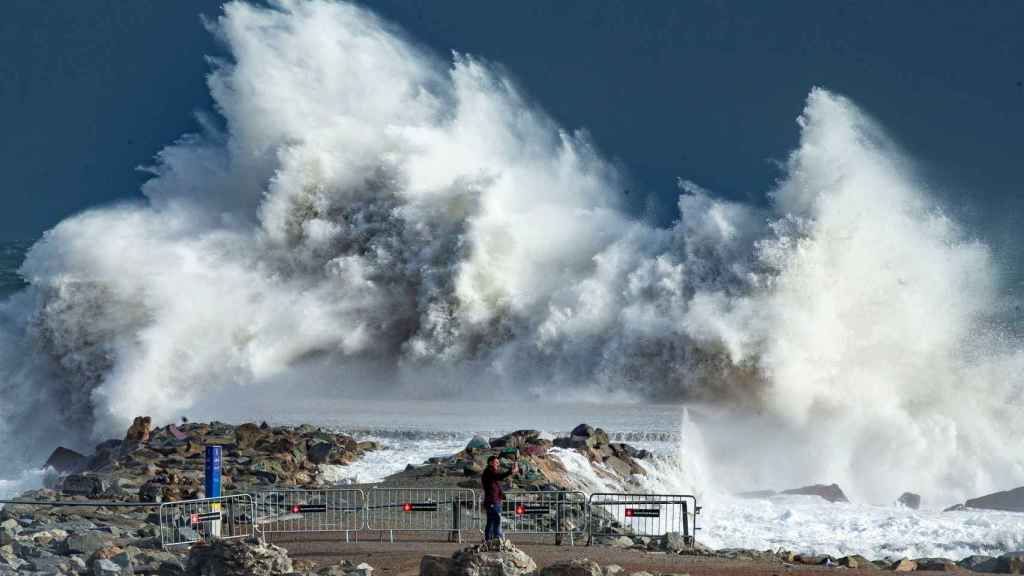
<point x="165" y="464"/>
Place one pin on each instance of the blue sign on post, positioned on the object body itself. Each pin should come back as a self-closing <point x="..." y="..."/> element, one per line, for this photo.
<point x="212" y="483"/>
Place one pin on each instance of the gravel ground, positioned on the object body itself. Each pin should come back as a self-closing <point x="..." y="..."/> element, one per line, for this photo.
<point x="402" y="558"/>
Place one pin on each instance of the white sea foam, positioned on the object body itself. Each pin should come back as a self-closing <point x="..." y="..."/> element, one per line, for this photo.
<point x="376" y="221"/>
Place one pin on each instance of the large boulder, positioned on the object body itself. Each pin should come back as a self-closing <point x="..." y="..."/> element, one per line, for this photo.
<point x="237" y="558"/>
<point x="1010" y="563"/>
<point x="830" y="492"/>
<point x="675" y="542"/>
<point x="979" y="563"/>
<point x="856" y="562"/>
<point x="87" y="542"/>
<point x="493" y="558"/>
<point x="519" y="439"/>
<point x="83" y="485"/>
<point x="138" y="432"/>
<point x="582" y="431"/>
<point x="319" y="452"/>
<point x="65" y="460"/>
<point x="909" y="500"/>
<point x="1009" y="500"/>
<point x="903" y="565"/>
<point x="575" y="567"/>
<point x="935" y="565"/>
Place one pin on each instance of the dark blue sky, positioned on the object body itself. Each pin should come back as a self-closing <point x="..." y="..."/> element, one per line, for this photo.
<point x="704" y="90"/>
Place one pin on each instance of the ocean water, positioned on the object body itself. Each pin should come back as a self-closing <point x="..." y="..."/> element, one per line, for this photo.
<point x="12" y="254"/>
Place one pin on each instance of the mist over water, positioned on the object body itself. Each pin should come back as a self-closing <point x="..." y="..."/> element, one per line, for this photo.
<point x="373" y="220"/>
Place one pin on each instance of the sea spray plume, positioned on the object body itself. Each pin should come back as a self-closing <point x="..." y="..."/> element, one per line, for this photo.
<point x="871" y="330"/>
<point x="369" y="216"/>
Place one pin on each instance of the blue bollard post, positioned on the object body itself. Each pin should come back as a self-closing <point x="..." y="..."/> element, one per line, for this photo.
<point x="212" y="483"/>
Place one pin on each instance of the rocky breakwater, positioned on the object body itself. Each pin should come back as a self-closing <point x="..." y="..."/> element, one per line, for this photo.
<point x="167" y="463"/>
<point x="541" y="468"/>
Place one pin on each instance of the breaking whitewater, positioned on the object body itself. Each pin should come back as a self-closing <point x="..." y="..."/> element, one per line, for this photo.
<point x="374" y="238"/>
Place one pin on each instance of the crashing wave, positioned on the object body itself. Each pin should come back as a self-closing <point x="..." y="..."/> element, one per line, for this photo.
<point x="379" y="221"/>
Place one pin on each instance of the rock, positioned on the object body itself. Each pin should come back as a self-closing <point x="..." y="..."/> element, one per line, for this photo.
<point x="620" y="542"/>
<point x="472" y="469"/>
<point x="810" y="559"/>
<point x="493" y="558"/>
<point x="979" y="563"/>
<point x="856" y="562"/>
<point x="247" y="435"/>
<point x="935" y="564"/>
<point x="831" y="492"/>
<point x="614" y="570"/>
<point x="575" y="567"/>
<point x="346" y="568"/>
<point x="49" y="564"/>
<point x="65" y="461"/>
<point x="367" y="446"/>
<point x="361" y="569"/>
<point x="149" y="561"/>
<point x="151" y="491"/>
<point x="435" y="566"/>
<point x="87" y="543"/>
<point x="104" y="567"/>
<point x="910" y="500"/>
<point x="1010" y="563"/>
<point x="171" y="569"/>
<point x="903" y="565"/>
<point x="138" y="432"/>
<point x="582" y="431"/>
<point x="673" y="542"/>
<point x="83" y="485"/>
<point x="518" y="439"/>
<point x="1010" y="500"/>
<point x="478" y="443"/>
<point x="319" y="453"/>
<point x="8" y="531"/>
<point x="237" y="558"/>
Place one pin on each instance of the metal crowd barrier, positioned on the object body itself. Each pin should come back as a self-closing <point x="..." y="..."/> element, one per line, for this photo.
<point x="561" y="513"/>
<point x="450" y="510"/>
<point x="311" y="510"/>
<point x="190" y="521"/>
<point x="643" y="515"/>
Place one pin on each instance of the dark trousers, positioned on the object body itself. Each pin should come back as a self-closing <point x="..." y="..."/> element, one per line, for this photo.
<point x="493" y="529"/>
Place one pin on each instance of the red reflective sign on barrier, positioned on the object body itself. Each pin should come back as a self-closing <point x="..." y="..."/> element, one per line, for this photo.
<point x="200" y="518"/>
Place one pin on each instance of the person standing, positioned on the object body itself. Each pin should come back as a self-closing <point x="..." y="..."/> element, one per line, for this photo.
<point x="493" y="496"/>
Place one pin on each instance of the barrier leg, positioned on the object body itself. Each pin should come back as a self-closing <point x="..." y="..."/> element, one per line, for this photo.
<point x="559" y="502"/>
<point x="456" y="534"/>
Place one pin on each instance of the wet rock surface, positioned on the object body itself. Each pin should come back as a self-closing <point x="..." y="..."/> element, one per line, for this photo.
<point x="615" y="462"/>
<point x="164" y="464"/>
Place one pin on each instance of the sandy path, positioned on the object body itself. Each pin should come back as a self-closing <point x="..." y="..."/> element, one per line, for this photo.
<point x="403" y="558"/>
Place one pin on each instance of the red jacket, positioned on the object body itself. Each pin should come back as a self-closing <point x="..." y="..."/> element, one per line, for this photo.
<point x="491" y="481"/>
